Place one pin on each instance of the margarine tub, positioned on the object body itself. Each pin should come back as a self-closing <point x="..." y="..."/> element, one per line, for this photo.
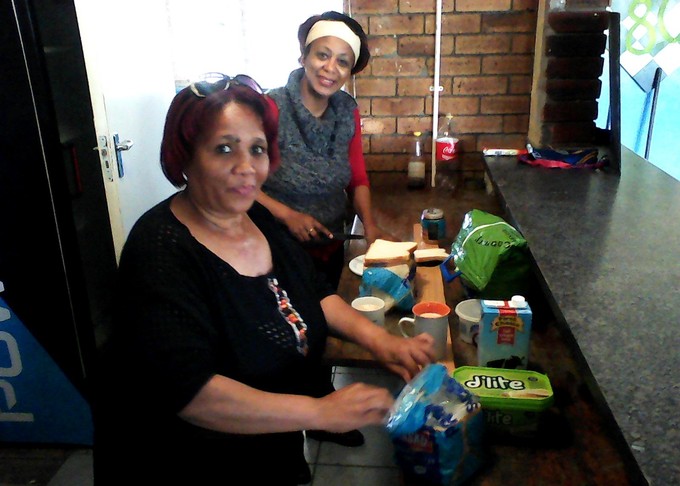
<point x="512" y="400"/>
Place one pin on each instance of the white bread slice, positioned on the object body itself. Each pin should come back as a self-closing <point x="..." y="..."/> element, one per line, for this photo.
<point x="430" y="255"/>
<point x="385" y="253"/>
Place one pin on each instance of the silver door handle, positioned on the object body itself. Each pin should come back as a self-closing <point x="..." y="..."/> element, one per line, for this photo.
<point x="124" y="145"/>
<point x="120" y="146"/>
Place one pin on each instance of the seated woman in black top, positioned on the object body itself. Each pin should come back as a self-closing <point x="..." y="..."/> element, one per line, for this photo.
<point x="221" y="319"/>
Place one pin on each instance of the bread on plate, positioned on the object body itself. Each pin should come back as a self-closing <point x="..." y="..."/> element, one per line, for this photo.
<point x="386" y="253"/>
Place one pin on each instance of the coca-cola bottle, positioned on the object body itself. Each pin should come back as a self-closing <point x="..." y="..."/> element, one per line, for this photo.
<point x="446" y="146"/>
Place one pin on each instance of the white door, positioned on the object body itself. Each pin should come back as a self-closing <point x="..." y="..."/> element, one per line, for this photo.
<point x="126" y="44"/>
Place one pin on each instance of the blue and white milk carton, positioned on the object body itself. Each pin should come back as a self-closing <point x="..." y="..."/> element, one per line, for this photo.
<point x="504" y="333"/>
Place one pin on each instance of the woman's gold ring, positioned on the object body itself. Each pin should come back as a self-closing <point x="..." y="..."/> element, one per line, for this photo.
<point x="310" y="230"/>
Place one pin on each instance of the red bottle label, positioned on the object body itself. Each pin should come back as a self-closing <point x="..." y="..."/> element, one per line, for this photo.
<point x="446" y="148"/>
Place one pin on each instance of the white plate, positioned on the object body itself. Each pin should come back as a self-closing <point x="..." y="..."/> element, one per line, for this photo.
<point x="356" y="265"/>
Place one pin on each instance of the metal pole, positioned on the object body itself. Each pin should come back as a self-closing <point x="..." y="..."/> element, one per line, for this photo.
<point x="655" y="86"/>
<point x="435" y="102"/>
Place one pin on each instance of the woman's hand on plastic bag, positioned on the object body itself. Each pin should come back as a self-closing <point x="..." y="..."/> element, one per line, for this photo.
<point x="404" y="356"/>
<point x="354" y="406"/>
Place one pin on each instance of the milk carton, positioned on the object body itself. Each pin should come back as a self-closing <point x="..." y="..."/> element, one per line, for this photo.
<point x="504" y="332"/>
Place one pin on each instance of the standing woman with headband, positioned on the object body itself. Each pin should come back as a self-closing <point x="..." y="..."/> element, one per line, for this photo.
<point x="322" y="168"/>
<point x="322" y="164"/>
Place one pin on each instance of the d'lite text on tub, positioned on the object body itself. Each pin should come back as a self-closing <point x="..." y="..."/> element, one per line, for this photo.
<point x="490" y="382"/>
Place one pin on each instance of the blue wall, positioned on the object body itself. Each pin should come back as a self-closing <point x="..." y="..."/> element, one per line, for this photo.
<point x="649" y="29"/>
<point x="636" y="108"/>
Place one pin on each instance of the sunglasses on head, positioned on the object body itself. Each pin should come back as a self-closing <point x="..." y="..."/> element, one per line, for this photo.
<point x="205" y="88"/>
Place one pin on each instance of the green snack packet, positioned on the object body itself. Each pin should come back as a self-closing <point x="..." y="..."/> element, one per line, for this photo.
<point x="491" y="255"/>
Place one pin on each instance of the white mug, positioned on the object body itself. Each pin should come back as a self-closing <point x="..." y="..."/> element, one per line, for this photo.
<point x="432" y="318"/>
<point x="373" y="308"/>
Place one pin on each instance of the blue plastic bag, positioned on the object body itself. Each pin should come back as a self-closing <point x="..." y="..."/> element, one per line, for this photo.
<point x="436" y="429"/>
<point x="391" y="285"/>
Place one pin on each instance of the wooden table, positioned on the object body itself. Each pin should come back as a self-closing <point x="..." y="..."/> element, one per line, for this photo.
<point x="428" y="286"/>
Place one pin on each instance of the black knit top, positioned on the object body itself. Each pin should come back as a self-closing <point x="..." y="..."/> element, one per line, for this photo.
<point x="185" y="315"/>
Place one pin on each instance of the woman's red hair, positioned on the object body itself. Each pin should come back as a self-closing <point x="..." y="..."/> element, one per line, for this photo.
<point x="189" y="117"/>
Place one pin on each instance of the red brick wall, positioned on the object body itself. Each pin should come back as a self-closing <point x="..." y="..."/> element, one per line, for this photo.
<point x="486" y="71"/>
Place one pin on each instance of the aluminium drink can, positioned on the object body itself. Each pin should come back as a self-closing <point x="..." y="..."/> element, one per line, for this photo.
<point x="433" y="223"/>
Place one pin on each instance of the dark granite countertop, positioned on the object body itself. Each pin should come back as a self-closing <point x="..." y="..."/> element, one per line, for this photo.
<point x="606" y="248"/>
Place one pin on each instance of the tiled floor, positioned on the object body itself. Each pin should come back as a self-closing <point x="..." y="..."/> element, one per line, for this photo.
<point x="371" y="463"/>
<point x="331" y="464"/>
